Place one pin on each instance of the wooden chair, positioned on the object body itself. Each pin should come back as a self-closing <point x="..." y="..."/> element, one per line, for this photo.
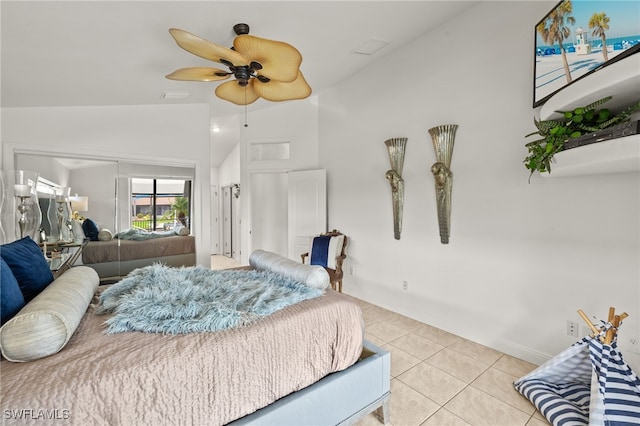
<point x="336" y="251"/>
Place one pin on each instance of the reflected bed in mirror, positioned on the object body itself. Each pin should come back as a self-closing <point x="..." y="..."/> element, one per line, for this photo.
<point x="116" y="190"/>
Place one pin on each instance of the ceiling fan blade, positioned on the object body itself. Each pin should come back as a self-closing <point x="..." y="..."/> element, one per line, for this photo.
<point x="280" y="61"/>
<point x="276" y="91"/>
<point x="240" y="95"/>
<point x="199" y="74"/>
<point x="207" y="49"/>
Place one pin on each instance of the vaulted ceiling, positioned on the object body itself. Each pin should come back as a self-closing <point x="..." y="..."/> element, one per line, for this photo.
<point x="88" y="53"/>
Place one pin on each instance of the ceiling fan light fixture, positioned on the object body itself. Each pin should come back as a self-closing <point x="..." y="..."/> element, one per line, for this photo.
<point x="242" y="74"/>
<point x="240" y="95"/>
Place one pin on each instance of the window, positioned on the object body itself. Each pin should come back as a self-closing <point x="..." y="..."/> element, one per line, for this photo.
<point x="160" y="204"/>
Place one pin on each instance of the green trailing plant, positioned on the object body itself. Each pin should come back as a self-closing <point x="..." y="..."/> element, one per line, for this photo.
<point x="573" y="124"/>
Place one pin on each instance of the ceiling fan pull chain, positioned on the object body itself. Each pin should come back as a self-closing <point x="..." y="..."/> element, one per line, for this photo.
<point x="245" y="107"/>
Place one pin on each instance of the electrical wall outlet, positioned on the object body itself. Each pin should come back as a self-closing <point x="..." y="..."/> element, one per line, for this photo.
<point x="573" y="329"/>
<point x="405" y="285"/>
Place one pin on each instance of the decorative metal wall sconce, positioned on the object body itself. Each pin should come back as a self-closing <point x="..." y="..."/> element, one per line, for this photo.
<point x="396" y="148"/>
<point x="443" y="138"/>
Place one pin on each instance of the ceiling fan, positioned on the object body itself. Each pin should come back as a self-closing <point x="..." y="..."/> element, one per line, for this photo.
<point x="262" y="68"/>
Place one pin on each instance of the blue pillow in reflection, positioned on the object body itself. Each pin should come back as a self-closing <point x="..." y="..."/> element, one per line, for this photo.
<point x="90" y="229"/>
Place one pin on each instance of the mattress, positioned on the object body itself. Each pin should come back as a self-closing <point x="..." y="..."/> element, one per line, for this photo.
<point x="202" y="379"/>
<point x="122" y="250"/>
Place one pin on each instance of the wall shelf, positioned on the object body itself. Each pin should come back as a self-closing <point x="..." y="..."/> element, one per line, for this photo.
<point x="620" y="80"/>
<point x="619" y="155"/>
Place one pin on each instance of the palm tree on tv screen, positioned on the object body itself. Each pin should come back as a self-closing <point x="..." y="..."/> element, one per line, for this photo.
<point x="599" y="22"/>
<point x="554" y="29"/>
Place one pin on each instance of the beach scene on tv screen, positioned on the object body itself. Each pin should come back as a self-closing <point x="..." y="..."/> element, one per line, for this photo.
<point x="577" y="37"/>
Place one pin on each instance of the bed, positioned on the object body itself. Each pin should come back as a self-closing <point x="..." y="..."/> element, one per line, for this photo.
<point x="304" y="364"/>
<point x="118" y="257"/>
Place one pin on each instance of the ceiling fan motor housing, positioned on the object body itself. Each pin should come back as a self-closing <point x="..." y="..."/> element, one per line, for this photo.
<point x="242" y="74"/>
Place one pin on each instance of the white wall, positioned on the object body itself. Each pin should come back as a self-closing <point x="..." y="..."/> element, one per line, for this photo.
<point x="295" y="122"/>
<point x="229" y="170"/>
<point x="45" y="167"/>
<point x="98" y="183"/>
<point x="163" y="134"/>
<point x="523" y="258"/>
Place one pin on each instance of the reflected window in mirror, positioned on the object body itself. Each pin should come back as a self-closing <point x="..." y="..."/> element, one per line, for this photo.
<point x="160" y="204"/>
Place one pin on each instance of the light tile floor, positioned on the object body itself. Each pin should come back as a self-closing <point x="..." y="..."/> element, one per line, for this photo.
<point x="440" y="379"/>
<point x="219" y="261"/>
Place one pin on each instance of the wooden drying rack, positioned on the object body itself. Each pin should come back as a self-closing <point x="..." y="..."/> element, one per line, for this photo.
<point x="614" y="319"/>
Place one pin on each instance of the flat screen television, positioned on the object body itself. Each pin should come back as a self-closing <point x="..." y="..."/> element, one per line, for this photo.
<point x="580" y="37"/>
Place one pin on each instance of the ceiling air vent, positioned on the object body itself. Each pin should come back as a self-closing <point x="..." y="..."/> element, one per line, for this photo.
<point x="370" y="46"/>
<point x="174" y="95"/>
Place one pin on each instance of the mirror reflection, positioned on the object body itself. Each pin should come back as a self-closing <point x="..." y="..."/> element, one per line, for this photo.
<point x="113" y="216"/>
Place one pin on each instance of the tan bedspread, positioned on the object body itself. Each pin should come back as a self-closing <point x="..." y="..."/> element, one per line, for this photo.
<point x="109" y="251"/>
<point x="195" y="379"/>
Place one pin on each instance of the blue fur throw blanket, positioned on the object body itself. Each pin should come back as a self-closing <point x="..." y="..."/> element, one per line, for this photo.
<point x="136" y="234"/>
<point x="162" y="299"/>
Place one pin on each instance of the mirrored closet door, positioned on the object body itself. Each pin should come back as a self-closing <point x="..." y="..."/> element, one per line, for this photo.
<point x="107" y="197"/>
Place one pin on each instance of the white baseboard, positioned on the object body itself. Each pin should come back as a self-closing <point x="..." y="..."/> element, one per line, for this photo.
<point x="521" y="352"/>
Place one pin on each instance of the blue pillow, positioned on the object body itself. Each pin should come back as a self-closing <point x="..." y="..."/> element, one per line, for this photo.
<point x="28" y="265"/>
<point x="90" y="229"/>
<point x="12" y="298"/>
<point x="320" y="251"/>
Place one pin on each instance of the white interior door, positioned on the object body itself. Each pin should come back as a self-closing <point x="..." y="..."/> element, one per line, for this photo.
<point x="215" y="223"/>
<point x="235" y="224"/>
<point x="226" y="221"/>
<point x="307" y="210"/>
<point x="269" y="192"/>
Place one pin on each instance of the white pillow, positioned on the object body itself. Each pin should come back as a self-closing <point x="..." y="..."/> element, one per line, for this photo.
<point x="105" y="235"/>
<point x="311" y="275"/>
<point x="45" y="325"/>
<point x="181" y="230"/>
